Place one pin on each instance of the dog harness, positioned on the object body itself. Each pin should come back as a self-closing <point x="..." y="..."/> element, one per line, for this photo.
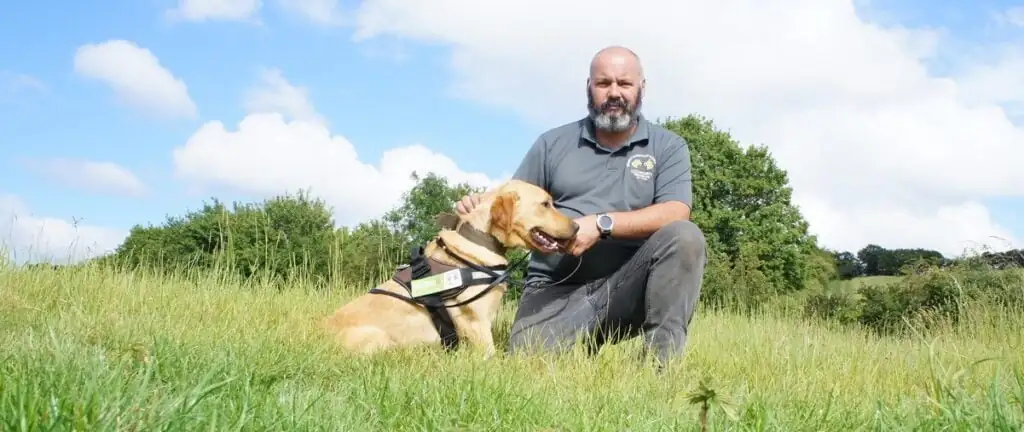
<point x="455" y="279"/>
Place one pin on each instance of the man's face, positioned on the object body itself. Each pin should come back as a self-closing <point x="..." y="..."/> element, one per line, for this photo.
<point x="614" y="93"/>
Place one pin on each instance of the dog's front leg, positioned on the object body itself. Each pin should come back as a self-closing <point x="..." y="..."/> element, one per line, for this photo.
<point x="481" y="339"/>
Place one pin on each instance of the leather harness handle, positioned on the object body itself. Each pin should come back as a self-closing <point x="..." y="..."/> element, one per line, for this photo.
<point x="447" y="220"/>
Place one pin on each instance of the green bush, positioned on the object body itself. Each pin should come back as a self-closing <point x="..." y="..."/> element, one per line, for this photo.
<point x="290" y="237"/>
<point x="1000" y="288"/>
<point x="929" y="295"/>
<point x="834" y="305"/>
<point x="281" y="238"/>
<point x="924" y="296"/>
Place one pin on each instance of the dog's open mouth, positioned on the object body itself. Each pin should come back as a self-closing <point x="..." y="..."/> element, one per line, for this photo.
<point x="547" y="242"/>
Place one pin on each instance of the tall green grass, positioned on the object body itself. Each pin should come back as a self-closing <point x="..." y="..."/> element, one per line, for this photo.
<point x="93" y="349"/>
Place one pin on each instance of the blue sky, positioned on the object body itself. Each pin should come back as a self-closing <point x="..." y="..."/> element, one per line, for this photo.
<point x="397" y="88"/>
<point x="379" y="103"/>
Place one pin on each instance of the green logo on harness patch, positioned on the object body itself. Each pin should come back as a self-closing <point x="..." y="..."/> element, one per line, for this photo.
<point x="436" y="283"/>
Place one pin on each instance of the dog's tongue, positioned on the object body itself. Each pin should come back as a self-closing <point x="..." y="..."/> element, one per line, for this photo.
<point x="544" y="240"/>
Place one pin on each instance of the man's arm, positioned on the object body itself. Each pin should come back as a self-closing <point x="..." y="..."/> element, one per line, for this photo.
<point x="673" y="196"/>
<point x="531" y="169"/>
<point x="641" y="223"/>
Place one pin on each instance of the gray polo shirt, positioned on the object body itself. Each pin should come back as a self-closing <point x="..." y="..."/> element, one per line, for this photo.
<point x="585" y="178"/>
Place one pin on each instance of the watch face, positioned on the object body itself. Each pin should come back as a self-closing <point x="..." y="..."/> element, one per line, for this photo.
<point x="605" y="222"/>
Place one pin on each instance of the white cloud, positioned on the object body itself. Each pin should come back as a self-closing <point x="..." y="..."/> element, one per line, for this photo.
<point x="874" y="144"/>
<point x="275" y="94"/>
<point x="14" y="82"/>
<point x="95" y="176"/>
<point x="1013" y="16"/>
<point x="267" y="155"/>
<point x="270" y="154"/>
<point x="136" y="77"/>
<point x="25" y="237"/>
<point x="215" y="10"/>
<point x="953" y="229"/>
<point x="996" y="79"/>
<point x="320" y="12"/>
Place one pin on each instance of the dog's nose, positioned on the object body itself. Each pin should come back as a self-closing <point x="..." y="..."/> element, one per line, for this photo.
<point x="575" y="227"/>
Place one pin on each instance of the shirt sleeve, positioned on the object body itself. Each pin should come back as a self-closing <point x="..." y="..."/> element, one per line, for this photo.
<point x="532" y="168"/>
<point x="674" y="180"/>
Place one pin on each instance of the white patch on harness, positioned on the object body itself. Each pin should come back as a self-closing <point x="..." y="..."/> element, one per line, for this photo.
<point x="482" y="275"/>
<point x="442" y="282"/>
<point x="452" y="279"/>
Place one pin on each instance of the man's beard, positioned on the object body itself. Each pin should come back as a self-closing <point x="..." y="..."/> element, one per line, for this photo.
<point x="614" y="123"/>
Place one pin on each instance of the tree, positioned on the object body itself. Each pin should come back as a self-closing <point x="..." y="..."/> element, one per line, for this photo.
<point x="432" y="195"/>
<point x="758" y="242"/>
<point x="871" y="257"/>
<point x="1002" y="260"/>
<point x="847" y="265"/>
<point x="742" y="202"/>
<point x="879" y="261"/>
<point x="367" y="254"/>
<point x="283" y="237"/>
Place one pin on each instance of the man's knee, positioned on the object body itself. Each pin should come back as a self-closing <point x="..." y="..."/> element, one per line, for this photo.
<point x="540" y="339"/>
<point x="684" y="237"/>
<point x="550" y="319"/>
<point x="517" y="342"/>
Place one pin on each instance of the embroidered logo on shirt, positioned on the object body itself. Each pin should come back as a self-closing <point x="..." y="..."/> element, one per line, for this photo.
<point x="641" y="166"/>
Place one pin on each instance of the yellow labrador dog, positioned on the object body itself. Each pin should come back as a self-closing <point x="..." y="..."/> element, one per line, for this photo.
<point x="514" y="215"/>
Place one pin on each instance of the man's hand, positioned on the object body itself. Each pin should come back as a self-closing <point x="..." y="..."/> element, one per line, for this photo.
<point x="586" y="236"/>
<point x="467" y="204"/>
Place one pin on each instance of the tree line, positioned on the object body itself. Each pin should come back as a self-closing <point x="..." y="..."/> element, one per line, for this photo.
<point x="875" y="260"/>
<point x="759" y="247"/>
<point x="742" y="201"/>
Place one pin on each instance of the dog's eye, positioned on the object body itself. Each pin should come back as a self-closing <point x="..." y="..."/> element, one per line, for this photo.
<point x="547" y="204"/>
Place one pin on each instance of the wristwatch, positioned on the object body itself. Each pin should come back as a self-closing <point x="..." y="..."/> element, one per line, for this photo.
<point x="605" y="223"/>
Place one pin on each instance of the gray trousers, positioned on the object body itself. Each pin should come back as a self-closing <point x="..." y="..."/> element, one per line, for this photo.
<point x="653" y="294"/>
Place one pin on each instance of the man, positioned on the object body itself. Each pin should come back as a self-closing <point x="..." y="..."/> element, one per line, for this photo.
<point x="627" y="182"/>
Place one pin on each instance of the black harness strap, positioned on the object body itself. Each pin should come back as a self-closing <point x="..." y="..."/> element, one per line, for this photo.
<point x="420" y="267"/>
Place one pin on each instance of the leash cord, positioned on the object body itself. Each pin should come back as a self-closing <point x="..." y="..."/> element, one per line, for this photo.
<point x="579" y="262"/>
<point x="498" y="279"/>
<point x="501" y="278"/>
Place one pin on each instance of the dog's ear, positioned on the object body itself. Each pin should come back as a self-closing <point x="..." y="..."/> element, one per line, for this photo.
<point x="502" y="209"/>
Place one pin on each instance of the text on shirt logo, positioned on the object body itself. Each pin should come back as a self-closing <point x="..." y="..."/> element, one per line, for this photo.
<point x="641" y="166"/>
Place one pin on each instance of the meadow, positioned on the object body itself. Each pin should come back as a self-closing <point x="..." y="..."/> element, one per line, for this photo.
<point x="92" y="349"/>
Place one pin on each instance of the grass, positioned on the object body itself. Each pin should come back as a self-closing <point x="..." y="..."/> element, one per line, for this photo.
<point x="854" y="284"/>
<point x="85" y="349"/>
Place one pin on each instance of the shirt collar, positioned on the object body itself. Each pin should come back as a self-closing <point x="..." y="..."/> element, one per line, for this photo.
<point x="639" y="135"/>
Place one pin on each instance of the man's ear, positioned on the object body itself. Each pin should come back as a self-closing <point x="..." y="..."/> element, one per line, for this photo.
<point x="502" y="210"/>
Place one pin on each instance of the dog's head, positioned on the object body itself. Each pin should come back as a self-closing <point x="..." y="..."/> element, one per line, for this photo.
<point x="523" y="215"/>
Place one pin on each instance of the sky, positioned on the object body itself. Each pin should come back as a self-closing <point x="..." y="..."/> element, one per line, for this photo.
<point x="899" y="122"/>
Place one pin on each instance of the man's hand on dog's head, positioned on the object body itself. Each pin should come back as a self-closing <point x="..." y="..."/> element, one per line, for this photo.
<point x="467" y="204"/>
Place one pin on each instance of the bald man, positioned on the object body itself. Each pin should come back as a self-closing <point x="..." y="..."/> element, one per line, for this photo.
<point x="627" y="182"/>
